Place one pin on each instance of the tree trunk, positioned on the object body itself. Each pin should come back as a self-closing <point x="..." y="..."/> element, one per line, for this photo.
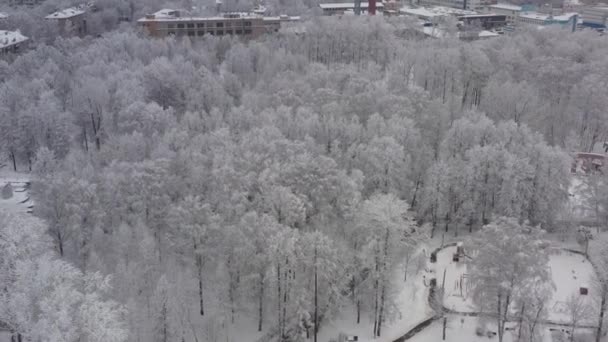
<point x="279" y="299"/>
<point x="199" y="262"/>
<point x="600" y="324"/>
<point x="316" y="326"/>
<point x="14" y="160"/>
<point x="261" y="303"/>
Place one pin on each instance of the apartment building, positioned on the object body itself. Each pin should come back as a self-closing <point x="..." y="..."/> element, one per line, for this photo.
<point x="333" y="8"/>
<point x="70" y="21"/>
<point x="25" y="2"/>
<point x="596" y="16"/>
<point x="512" y="12"/>
<point x="540" y="19"/>
<point x="168" y="22"/>
<point x="471" y="5"/>
<point x="12" y="42"/>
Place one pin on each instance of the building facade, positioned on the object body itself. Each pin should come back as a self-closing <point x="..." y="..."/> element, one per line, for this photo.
<point x="511" y="12"/>
<point x="596" y="16"/>
<point x="24" y="2"/>
<point x="471" y="5"/>
<point x="169" y="22"/>
<point x="70" y="21"/>
<point x="342" y="7"/>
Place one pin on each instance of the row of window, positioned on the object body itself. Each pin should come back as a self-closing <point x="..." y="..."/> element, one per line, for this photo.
<point x="202" y="25"/>
<point x="216" y="32"/>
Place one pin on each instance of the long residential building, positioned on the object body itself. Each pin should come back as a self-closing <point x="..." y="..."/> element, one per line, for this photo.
<point x="333" y="8"/>
<point x="168" y="22"/>
<point x="12" y="42"/>
<point x="471" y="5"/>
<point x="595" y="16"/>
<point x="70" y="20"/>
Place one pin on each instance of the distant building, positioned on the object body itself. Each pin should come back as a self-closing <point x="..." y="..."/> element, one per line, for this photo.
<point x="595" y="16"/>
<point x="471" y="5"/>
<point x="512" y="12"/>
<point x="25" y="2"/>
<point x="485" y="21"/>
<point x="430" y="13"/>
<point x="587" y="162"/>
<point x="12" y="42"/>
<point x="70" y="21"/>
<point x="535" y="18"/>
<point x="3" y="16"/>
<point x="342" y="7"/>
<point x="168" y="22"/>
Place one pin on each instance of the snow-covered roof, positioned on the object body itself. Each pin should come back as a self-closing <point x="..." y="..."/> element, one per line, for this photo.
<point x="347" y="5"/>
<point x="9" y="38"/>
<point x="546" y="17"/>
<point x="435" y="11"/>
<point x="174" y="15"/>
<point x="281" y="18"/>
<point x="487" y="34"/>
<point x="166" y="13"/>
<point x="66" y="13"/>
<point x="3" y="16"/>
<point x="506" y="7"/>
<point x="420" y="12"/>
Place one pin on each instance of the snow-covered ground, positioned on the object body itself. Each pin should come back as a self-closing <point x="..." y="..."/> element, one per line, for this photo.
<point x="463" y="329"/>
<point x="5" y="336"/>
<point x="458" y="329"/>
<point x="411" y="300"/>
<point x="20" y="201"/>
<point x="570" y="272"/>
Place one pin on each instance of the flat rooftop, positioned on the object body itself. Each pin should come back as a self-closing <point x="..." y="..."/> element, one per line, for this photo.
<point x="506" y="7"/>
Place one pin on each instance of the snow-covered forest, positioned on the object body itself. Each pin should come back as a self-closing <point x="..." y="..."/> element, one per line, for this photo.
<point x="183" y="188"/>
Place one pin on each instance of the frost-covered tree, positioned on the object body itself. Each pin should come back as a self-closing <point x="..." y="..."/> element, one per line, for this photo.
<point x="508" y="258"/>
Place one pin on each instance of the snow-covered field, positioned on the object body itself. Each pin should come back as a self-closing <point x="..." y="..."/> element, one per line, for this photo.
<point x="5" y="336"/>
<point x="20" y="201"/>
<point x="463" y="329"/>
<point x="412" y="309"/>
<point x="570" y="272"/>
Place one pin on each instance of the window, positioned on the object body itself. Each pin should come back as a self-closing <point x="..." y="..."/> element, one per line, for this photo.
<point x="247" y="23"/>
<point x="220" y="32"/>
<point x="190" y="33"/>
<point x="239" y="31"/>
<point x="247" y="31"/>
<point x="201" y="33"/>
<point x="190" y="25"/>
<point x="220" y="24"/>
<point x="199" y="25"/>
<point x="228" y="31"/>
<point x="171" y="26"/>
<point x="180" y="26"/>
<point x="172" y="33"/>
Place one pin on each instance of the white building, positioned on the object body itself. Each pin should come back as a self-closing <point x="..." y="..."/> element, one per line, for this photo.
<point x="595" y="16"/>
<point x="540" y="19"/>
<point x="12" y="42"/>
<point x="430" y="13"/>
<point x="471" y="5"/>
